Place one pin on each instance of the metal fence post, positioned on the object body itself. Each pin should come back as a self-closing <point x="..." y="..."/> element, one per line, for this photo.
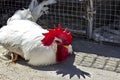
<point x="90" y="15"/>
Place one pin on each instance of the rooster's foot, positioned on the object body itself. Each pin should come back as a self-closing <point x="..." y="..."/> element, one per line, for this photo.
<point x="8" y="57"/>
<point x="13" y="58"/>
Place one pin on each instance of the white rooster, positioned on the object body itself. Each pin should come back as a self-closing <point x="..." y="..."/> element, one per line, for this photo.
<point x="39" y="46"/>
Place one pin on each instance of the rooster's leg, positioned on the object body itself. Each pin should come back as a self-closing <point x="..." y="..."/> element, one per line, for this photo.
<point x="14" y="57"/>
<point x="9" y="57"/>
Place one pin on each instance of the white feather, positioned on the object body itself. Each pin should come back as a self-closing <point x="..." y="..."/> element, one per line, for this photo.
<point x="41" y="9"/>
<point x="24" y="38"/>
<point x="34" y="11"/>
<point x="24" y="14"/>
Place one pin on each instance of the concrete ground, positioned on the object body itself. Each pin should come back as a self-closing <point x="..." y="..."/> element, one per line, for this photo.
<point x="90" y="61"/>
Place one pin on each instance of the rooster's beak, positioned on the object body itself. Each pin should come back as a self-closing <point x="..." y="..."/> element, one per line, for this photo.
<point x="69" y="47"/>
<point x="66" y="46"/>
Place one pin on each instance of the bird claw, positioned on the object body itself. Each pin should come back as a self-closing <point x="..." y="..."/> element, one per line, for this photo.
<point x="9" y="57"/>
<point x="14" y="57"/>
<point x="5" y="56"/>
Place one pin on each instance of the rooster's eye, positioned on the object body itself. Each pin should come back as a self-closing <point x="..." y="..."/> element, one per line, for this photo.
<point x="58" y="42"/>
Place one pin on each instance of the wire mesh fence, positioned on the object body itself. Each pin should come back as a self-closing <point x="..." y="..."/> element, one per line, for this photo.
<point x="97" y="19"/>
<point x="8" y="7"/>
<point x="69" y="13"/>
<point x="107" y="21"/>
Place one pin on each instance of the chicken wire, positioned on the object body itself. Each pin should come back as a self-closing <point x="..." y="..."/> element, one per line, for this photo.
<point x="107" y="21"/>
<point x="69" y="13"/>
<point x="8" y="7"/>
<point x="97" y="19"/>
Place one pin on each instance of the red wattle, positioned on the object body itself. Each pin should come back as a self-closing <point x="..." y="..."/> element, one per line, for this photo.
<point x="62" y="53"/>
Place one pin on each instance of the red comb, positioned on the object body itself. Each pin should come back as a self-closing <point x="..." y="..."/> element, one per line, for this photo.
<point x="58" y="32"/>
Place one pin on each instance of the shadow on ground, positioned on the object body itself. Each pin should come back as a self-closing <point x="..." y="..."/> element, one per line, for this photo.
<point x="64" y="68"/>
<point x="90" y="47"/>
<point x="79" y="45"/>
